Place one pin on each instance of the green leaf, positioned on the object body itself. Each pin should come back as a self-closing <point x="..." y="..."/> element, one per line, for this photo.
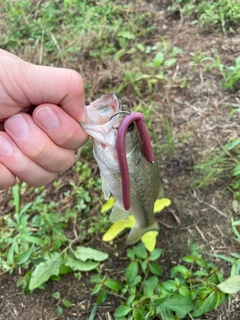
<point x="56" y="295"/>
<point x="221" y="256"/>
<point x="170" y="62"/>
<point x="97" y="288"/>
<point x="158" y="60"/>
<point x="138" y="314"/>
<point x="113" y="284"/>
<point x="78" y="265"/>
<point x="140" y="251"/>
<point x="59" y="311"/>
<point x="85" y="253"/>
<point x="188" y="259"/>
<point x="144" y="265"/>
<point x="122" y="311"/>
<point x="182" y="270"/>
<point x="181" y="305"/>
<point x="64" y="269"/>
<point x="176" y="50"/>
<point x="184" y="291"/>
<point x="208" y="304"/>
<point x="10" y="255"/>
<point x="201" y="262"/>
<point x="136" y="281"/>
<point x="131" y="271"/>
<point x="230" y="285"/>
<point x="45" y="270"/>
<point x="170" y="285"/>
<point x="126" y="35"/>
<point x="155" y="254"/>
<point x="236" y="170"/>
<point x="24" y="256"/>
<point x="96" y="278"/>
<point x="149" y="286"/>
<point x="16" y="197"/>
<point x="93" y="312"/>
<point x="102" y="297"/>
<point x="231" y="145"/>
<point x="66" y="303"/>
<point x="155" y="269"/>
<point x="32" y="239"/>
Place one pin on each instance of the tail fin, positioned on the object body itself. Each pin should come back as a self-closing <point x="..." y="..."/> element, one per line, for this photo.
<point x="137" y="232"/>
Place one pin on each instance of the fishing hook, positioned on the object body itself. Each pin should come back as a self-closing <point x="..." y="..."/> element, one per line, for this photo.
<point x="120" y="112"/>
<point x="121" y="150"/>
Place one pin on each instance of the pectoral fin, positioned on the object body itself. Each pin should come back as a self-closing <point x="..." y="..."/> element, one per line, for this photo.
<point x="105" y="188"/>
<point x="137" y="232"/>
<point x="118" y="214"/>
<point x="160" y="192"/>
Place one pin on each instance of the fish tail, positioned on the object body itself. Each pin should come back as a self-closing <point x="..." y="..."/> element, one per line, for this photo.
<point x="137" y="232"/>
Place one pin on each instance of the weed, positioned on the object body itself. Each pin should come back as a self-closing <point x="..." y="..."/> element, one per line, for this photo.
<point x="230" y="74"/>
<point x="191" y="290"/>
<point x="70" y="28"/>
<point x="34" y="236"/>
<point x="66" y="303"/>
<point x="153" y="68"/>
<point x="210" y="13"/>
<point x="213" y="167"/>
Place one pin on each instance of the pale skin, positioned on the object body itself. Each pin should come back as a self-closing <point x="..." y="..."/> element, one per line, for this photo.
<point x="40" y="111"/>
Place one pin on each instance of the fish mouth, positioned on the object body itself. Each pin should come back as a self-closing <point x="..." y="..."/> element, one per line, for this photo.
<point x="138" y="118"/>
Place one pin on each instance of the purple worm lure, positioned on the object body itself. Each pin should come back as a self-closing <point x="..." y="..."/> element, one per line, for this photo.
<point x="121" y="151"/>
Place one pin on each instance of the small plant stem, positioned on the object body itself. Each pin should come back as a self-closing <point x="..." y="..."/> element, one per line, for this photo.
<point x="226" y="151"/>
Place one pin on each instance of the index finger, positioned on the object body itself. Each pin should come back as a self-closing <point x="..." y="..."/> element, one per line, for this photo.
<point x="63" y="87"/>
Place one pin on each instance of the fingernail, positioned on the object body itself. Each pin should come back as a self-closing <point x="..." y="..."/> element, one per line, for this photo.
<point x="47" y="117"/>
<point x="17" y="125"/>
<point x="6" y="147"/>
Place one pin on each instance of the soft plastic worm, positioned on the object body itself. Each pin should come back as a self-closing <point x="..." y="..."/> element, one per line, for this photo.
<point x="121" y="151"/>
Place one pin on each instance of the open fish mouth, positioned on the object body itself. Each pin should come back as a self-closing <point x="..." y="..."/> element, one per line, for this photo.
<point x="124" y="126"/>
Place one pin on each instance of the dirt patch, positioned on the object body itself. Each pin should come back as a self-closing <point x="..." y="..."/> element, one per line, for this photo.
<point x="199" y="115"/>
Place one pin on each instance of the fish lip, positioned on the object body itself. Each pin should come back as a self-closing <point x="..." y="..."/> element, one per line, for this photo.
<point x="121" y="151"/>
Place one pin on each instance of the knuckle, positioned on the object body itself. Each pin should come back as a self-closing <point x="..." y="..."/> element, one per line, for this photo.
<point x="68" y="162"/>
<point x="43" y="180"/>
<point x="7" y="178"/>
<point x="38" y="152"/>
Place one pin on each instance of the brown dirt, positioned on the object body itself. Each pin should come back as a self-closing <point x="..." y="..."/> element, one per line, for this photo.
<point x="198" y="111"/>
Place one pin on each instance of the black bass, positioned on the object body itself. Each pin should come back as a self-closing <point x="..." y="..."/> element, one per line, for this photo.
<point x="122" y="149"/>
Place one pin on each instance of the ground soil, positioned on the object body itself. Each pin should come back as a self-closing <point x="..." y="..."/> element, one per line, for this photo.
<point x="199" y="113"/>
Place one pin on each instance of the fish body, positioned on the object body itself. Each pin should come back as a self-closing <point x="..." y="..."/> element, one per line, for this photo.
<point x="103" y="125"/>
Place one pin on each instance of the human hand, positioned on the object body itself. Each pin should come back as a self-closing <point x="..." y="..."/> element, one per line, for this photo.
<point x="38" y="146"/>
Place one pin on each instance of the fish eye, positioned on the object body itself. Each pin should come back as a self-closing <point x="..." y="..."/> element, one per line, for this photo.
<point x="130" y="127"/>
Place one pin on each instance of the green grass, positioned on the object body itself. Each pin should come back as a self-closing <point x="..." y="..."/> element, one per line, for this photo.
<point x="210" y="14"/>
<point x="213" y="168"/>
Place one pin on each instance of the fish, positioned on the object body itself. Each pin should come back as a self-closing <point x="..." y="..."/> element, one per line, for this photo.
<point x="122" y="149"/>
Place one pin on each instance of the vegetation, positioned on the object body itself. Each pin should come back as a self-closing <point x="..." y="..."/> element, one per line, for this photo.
<point x="52" y="231"/>
<point x="210" y="14"/>
<point x="189" y="291"/>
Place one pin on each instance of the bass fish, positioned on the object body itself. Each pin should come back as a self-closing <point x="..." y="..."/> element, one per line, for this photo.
<point x="122" y="149"/>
